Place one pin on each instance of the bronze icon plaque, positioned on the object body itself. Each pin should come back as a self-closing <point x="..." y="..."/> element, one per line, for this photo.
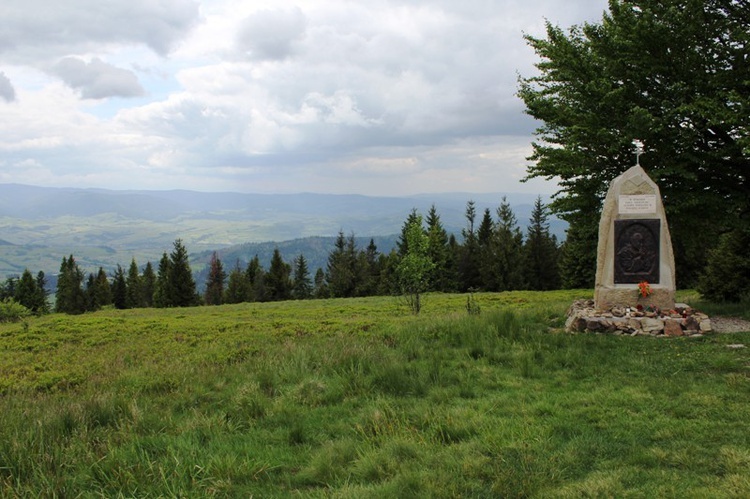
<point x="637" y="251"/>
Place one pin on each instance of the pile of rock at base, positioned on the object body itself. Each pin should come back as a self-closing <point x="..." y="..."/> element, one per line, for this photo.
<point x="680" y="321"/>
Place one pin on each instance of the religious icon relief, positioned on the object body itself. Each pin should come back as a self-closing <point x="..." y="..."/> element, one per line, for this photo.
<point x="637" y="251"/>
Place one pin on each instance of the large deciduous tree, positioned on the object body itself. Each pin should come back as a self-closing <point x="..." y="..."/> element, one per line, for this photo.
<point x="674" y="74"/>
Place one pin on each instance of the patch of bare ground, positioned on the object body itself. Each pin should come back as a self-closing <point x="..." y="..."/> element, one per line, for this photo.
<point x="729" y="325"/>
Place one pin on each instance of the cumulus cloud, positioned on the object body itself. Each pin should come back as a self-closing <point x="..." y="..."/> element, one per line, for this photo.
<point x="7" y="92"/>
<point x="97" y="79"/>
<point x="333" y="95"/>
<point x="271" y="34"/>
<point x="34" y="29"/>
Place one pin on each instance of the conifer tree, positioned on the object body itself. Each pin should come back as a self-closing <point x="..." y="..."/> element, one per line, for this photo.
<point x="70" y="297"/>
<point x="469" y="254"/>
<point x="214" y="294"/>
<point x="98" y="292"/>
<point x="238" y="288"/>
<point x="119" y="289"/>
<point x="26" y="292"/>
<point x="502" y="267"/>
<point x="540" y="252"/>
<point x="256" y="280"/>
<point x="443" y="274"/>
<point x="341" y="274"/>
<point x="301" y="285"/>
<point x="42" y="305"/>
<point x="148" y="285"/>
<point x="162" y="297"/>
<point x="321" y="285"/>
<point x="278" y="278"/>
<point x="180" y="284"/>
<point x="134" y="295"/>
<point x="102" y="289"/>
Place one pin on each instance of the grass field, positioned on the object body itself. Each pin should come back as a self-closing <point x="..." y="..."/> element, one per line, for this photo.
<point x="359" y="398"/>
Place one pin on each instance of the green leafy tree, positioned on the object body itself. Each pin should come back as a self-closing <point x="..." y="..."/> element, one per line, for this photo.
<point x="671" y="73"/>
<point x="727" y="275"/>
<point x="301" y="285"/>
<point x="414" y="268"/>
<point x="214" y="294"/>
<point x="540" y="252"/>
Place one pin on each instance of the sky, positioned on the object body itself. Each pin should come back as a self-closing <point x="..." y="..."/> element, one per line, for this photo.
<point x="374" y="97"/>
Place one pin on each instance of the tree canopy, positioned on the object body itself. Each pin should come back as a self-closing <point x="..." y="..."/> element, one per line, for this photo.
<point x="674" y="74"/>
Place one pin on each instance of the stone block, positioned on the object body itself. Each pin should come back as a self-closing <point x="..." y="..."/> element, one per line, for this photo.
<point x="673" y="328"/>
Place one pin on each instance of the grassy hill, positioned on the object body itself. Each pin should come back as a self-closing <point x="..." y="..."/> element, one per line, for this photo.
<point x="359" y="398"/>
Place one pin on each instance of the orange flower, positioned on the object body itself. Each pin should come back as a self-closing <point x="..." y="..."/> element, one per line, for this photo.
<point x="644" y="289"/>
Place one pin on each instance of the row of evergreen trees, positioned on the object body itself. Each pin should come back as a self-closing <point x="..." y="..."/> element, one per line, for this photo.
<point x="28" y="291"/>
<point x="493" y="255"/>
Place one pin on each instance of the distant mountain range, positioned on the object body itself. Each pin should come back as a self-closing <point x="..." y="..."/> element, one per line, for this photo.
<point x="40" y="225"/>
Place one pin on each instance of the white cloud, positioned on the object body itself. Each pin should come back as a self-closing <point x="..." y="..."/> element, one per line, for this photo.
<point x="271" y="34"/>
<point x="376" y="97"/>
<point x="97" y="79"/>
<point x="7" y="92"/>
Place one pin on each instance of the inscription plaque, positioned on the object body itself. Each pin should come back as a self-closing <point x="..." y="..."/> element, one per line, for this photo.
<point x="637" y="251"/>
<point x="643" y="203"/>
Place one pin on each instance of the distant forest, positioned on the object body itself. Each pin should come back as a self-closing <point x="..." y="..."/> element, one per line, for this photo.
<point x="491" y="253"/>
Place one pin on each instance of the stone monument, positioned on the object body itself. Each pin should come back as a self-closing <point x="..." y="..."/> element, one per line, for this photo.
<point x="635" y="249"/>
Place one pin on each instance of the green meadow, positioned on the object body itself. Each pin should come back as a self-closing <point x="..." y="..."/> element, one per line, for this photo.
<point x="360" y="398"/>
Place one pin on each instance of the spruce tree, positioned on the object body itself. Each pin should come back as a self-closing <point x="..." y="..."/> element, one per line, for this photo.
<point x="119" y="289"/>
<point x="540" y="252"/>
<point x="42" y="304"/>
<point x="134" y="287"/>
<point x="443" y="275"/>
<point x="148" y="285"/>
<point x="26" y="292"/>
<point x="70" y="297"/>
<point x="214" y="294"/>
<point x="180" y="283"/>
<point x="301" y="285"/>
<point x="256" y="280"/>
<point x="469" y="254"/>
<point x="502" y="266"/>
<point x="321" y="285"/>
<point x="102" y="294"/>
<point x="278" y="279"/>
<point x="341" y="272"/>
<point x="238" y="288"/>
<point x="162" y="297"/>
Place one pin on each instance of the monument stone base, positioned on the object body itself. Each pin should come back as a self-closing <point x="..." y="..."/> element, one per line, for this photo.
<point x="607" y="297"/>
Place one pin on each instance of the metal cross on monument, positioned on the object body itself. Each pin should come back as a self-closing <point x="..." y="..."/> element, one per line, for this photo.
<point x="638" y="144"/>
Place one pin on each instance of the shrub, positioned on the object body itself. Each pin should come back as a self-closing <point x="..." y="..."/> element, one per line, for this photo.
<point x="12" y="311"/>
<point x="727" y="275"/>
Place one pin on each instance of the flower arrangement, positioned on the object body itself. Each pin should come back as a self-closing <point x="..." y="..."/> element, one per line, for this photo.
<point x="644" y="289"/>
